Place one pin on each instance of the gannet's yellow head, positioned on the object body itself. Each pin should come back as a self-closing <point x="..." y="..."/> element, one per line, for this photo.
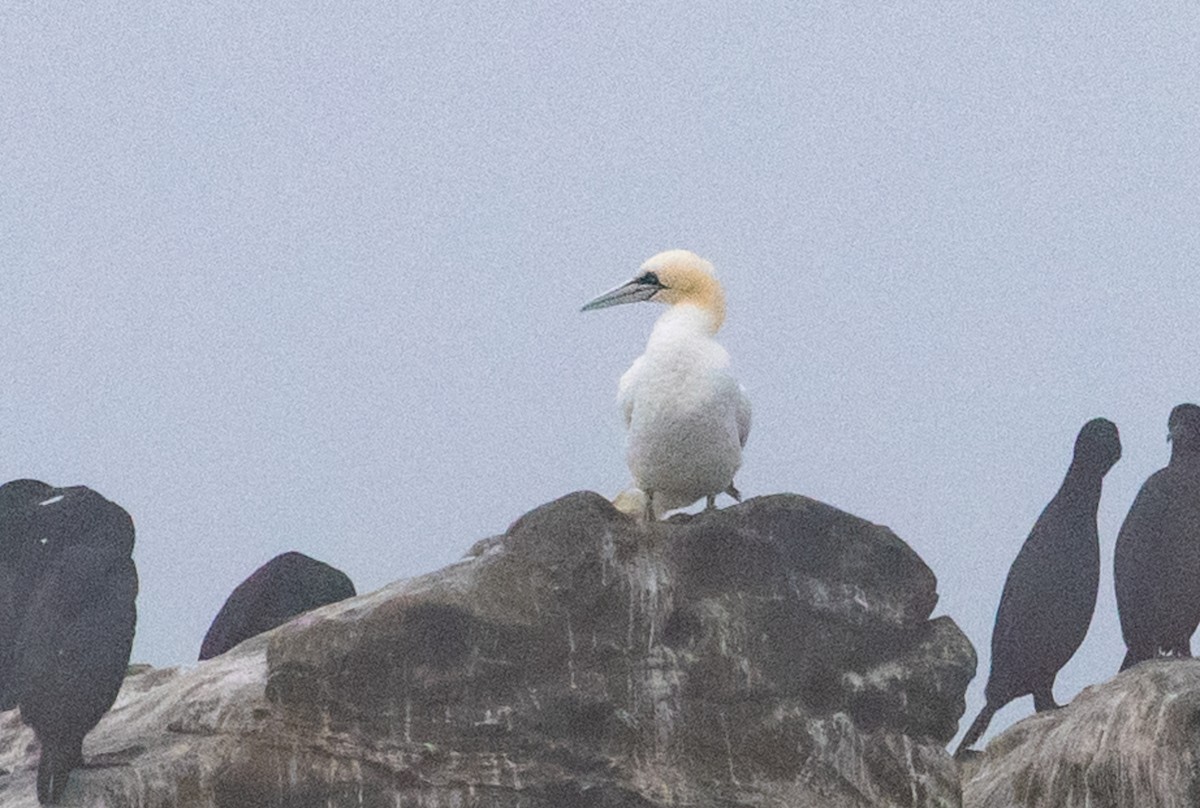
<point x="673" y="277"/>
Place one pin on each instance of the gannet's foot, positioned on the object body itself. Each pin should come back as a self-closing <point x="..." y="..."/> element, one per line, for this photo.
<point x="733" y="492"/>
<point x="631" y="501"/>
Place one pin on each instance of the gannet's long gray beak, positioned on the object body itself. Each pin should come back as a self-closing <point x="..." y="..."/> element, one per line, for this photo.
<point x="633" y="292"/>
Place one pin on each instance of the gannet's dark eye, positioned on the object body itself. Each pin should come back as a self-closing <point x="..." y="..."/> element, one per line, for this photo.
<point x="649" y="279"/>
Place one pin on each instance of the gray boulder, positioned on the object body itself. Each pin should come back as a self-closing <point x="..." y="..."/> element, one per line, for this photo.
<point x="779" y="652"/>
<point x="1133" y="741"/>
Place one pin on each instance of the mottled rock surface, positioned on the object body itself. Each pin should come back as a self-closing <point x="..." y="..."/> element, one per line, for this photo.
<point x="777" y="653"/>
<point x="1131" y="742"/>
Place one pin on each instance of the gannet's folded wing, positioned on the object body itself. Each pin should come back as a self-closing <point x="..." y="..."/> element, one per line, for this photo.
<point x="743" y="415"/>
<point x="625" y="390"/>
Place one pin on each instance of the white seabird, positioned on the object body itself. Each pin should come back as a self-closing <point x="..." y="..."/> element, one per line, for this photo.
<point x="687" y="418"/>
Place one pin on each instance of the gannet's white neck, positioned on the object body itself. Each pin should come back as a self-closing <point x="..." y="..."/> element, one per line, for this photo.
<point x="687" y="319"/>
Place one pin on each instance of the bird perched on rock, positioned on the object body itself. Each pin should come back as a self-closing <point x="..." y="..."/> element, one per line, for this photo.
<point x="1050" y="592"/>
<point x="22" y="554"/>
<point x="288" y="585"/>
<point x="687" y="419"/>
<point x="1156" y="566"/>
<point x="76" y="614"/>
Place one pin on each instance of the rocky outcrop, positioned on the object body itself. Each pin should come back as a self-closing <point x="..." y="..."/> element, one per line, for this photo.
<point x="776" y="653"/>
<point x="1131" y="741"/>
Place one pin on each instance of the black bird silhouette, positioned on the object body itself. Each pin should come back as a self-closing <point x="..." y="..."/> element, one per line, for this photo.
<point x="21" y="555"/>
<point x="1050" y="592"/>
<point x="68" y="552"/>
<point x="1156" y="566"/>
<point x="287" y="585"/>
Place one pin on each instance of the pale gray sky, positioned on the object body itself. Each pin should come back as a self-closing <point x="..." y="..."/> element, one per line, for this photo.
<point x="307" y="276"/>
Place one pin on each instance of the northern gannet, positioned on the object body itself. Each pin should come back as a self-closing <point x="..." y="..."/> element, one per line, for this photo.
<point x="687" y="419"/>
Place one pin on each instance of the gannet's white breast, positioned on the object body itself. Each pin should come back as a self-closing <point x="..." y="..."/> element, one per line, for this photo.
<point x="687" y="417"/>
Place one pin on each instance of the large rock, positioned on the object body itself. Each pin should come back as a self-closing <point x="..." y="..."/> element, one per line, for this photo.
<point x="776" y="653"/>
<point x="1131" y="742"/>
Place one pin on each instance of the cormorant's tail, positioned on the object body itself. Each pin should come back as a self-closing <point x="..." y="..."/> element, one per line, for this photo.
<point x="977" y="728"/>
<point x="1131" y="659"/>
<point x="54" y="768"/>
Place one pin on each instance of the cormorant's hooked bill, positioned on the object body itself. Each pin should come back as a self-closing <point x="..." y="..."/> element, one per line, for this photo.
<point x="643" y="287"/>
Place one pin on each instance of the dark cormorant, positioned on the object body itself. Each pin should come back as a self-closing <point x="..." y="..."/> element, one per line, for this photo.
<point x="287" y="585"/>
<point x="1050" y="592"/>
<point x="75" y="616"/>
<point x="1156" y="566"/>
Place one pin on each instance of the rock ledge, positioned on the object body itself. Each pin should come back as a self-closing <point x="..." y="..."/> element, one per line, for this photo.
<point x="776" y="653"/>
<point x="1131" y="741"/>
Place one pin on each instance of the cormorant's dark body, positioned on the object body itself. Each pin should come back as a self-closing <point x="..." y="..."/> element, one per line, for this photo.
<point x="1050" y="592"/>
<point x="1156" y="566"/>
<point x="287" y="585"/>
<point x="71" y="589"/>
<point x="21" y="555"/>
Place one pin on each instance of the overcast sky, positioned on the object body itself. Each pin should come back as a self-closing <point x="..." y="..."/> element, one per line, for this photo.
<point x="307" y="276"/>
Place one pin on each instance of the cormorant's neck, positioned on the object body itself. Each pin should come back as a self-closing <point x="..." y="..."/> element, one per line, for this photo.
<point x="1082" y="484"/>
<point x="1184" y="454"/>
